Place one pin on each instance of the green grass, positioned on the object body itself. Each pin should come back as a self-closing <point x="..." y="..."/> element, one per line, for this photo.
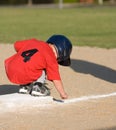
<point x="94" y="26"/>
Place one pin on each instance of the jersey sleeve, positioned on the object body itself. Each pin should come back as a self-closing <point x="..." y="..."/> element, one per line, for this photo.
<point x="53" y="72"/>
<point x="52" y="68"/>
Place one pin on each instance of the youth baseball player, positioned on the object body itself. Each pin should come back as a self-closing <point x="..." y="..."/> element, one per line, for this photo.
<point x="36" y="60"/>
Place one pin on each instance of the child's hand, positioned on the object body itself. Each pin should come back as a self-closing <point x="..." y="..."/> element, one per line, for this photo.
<point x="59" y="86"/>
<point x="64" y="96"/>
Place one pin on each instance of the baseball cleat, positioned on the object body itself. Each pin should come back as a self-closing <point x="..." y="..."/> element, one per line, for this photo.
<point x="39" y="89"/>
<point x="25" y="89"/>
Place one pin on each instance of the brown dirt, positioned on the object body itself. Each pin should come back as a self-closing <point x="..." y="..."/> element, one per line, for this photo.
<point x="93" y="72"/>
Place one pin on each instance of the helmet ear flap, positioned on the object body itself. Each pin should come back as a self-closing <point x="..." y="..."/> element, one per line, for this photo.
<point x="65" y="62"/>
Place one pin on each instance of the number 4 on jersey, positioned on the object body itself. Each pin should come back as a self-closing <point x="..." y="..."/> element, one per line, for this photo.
<point x="28" y="54"/>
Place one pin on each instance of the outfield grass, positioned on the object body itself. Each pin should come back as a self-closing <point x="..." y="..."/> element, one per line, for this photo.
<point x="90" y="26"/>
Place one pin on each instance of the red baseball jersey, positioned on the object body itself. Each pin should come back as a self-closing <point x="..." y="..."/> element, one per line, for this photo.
<point x="32" y="57"/>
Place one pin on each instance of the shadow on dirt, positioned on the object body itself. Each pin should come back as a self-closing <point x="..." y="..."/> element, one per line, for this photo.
<point x="8" y="89"/>
<point x="96" y="70"/>
<point x="112" y="128"/>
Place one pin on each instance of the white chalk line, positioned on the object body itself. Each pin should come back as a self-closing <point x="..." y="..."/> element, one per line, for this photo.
<point x="86" y="98"/>
<point x="14" y="101"/>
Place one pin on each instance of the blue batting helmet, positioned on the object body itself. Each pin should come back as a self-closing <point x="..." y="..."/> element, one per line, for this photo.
<point x="63" y="47"/>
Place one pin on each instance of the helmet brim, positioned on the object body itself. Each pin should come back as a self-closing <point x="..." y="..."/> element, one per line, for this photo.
<point x="65" y="62"/>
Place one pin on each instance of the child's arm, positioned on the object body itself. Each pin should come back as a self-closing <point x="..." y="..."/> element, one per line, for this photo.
<point x="59" y="86"/>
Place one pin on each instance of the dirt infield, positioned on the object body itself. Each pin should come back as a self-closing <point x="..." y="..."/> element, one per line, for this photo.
<point x="92" y="73"/>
